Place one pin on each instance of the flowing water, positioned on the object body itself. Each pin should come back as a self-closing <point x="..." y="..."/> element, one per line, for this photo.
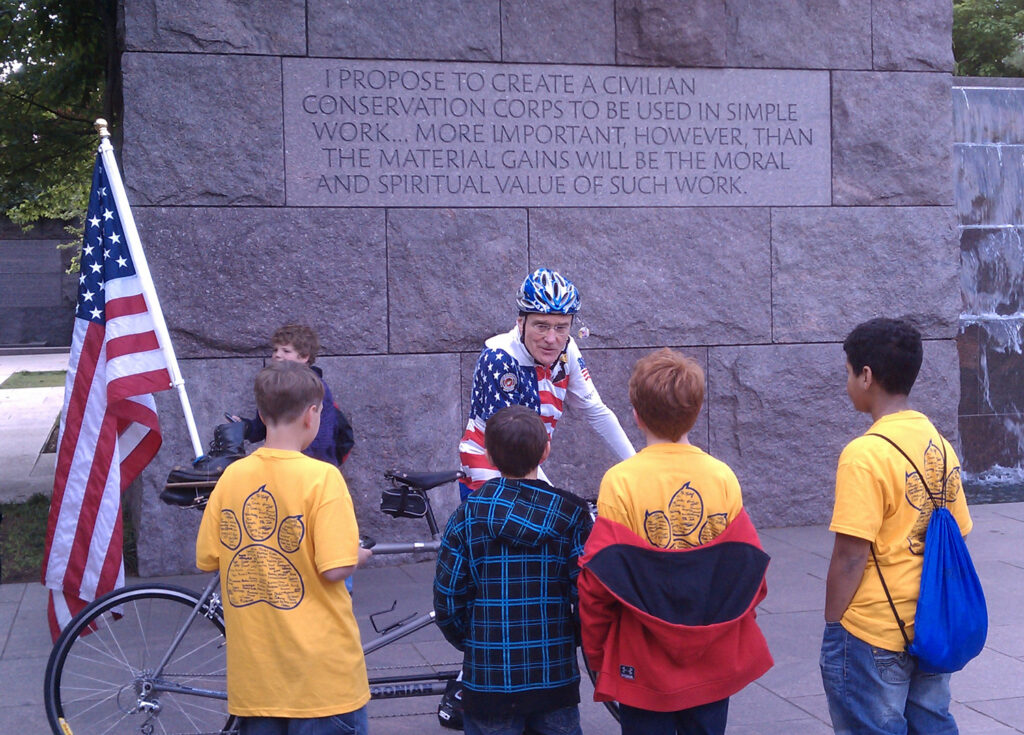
<point x="988" y="129"/>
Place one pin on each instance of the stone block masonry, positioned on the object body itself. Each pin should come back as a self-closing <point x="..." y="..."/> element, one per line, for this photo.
<point x="251" y="220"/>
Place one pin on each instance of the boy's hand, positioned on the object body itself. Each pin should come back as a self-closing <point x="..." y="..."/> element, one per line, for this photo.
<point x="364" y="555"/>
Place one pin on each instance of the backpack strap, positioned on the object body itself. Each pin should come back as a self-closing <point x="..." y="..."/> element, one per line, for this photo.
<point x="878" y="568"/>
<point x="924" y="481"/>
<point x="892" y="605"/>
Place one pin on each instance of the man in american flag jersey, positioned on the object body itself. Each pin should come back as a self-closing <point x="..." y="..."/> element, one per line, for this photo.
<point x="538" y="365"/>
<point x="108" y="430"/>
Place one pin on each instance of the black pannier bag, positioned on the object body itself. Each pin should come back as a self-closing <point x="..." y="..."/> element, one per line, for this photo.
<point x="403" y="502"/>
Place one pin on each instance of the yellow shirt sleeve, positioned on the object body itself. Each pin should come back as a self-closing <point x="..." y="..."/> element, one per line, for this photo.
<point x="208" y="538"/>
<point x="859" y="504"/>
<point x="336" y="535"/>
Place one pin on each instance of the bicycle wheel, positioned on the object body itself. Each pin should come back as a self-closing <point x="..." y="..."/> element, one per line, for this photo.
<point x="101" y="674"/>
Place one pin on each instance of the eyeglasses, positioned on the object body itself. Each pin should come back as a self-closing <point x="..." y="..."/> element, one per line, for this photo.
<point x="542" y="328"/>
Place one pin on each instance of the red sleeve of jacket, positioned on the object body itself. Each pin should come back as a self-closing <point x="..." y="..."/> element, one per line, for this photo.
<point x="598" y="610"/>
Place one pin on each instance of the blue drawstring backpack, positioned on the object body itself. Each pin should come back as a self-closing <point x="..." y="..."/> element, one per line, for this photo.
<point x="951" y="620"/>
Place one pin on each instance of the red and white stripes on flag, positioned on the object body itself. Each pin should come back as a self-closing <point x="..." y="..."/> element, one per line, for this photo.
<point x="108" y="429"/>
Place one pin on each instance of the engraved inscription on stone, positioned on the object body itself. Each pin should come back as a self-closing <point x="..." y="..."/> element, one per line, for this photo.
<point x="376" y="133"/>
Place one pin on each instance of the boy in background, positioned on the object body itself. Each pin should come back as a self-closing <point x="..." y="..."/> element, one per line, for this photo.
<point x="333" y="442"/>
<point x="280" y="528"/>
<point x="672" y="571"/>
<point x="872" y="684"/>
<point x="505" y="588"/>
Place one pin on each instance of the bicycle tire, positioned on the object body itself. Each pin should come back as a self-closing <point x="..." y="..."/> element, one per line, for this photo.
<point x="104" y="657"/>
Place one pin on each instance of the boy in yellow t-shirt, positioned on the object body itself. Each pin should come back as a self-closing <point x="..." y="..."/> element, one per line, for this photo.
<point x="280" y="528"/>
<point x="672" y="571"/>
<point x="882" y="504"/>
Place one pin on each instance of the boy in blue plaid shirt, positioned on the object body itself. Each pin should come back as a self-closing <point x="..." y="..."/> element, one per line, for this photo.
<point x="505" y="588"/>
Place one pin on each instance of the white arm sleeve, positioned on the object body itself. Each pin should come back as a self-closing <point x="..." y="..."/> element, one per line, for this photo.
<point x="582" y="394"/>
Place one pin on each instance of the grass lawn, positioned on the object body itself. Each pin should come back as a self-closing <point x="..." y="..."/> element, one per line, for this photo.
<point x="23" y="535"/>
<point x="39" y="379"/>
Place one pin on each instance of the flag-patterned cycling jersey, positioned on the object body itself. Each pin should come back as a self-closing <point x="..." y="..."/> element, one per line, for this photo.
<point x="507" y="375"/>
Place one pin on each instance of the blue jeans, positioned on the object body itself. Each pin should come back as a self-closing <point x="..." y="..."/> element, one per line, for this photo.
<point x="564" y="721"/>
<point x="350" y="723"/>
<point x="706" y="719"/>
<point x="872" y="691"/>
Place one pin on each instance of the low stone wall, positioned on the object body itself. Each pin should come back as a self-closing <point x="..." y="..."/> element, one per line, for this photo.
<point x="37" y="296"/>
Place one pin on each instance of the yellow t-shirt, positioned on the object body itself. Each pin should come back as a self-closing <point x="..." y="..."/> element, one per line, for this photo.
<point x="275" y="520"/>
<point x="880" y="498"/>
<point x="674" y="495"/>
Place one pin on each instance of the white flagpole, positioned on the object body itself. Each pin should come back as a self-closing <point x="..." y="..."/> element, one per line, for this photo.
<point x="148" y="289"/>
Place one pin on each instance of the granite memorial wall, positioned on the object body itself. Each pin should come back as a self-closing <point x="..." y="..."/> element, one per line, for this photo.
<point x="37" y="295"/>
<point x="741" y="181"/>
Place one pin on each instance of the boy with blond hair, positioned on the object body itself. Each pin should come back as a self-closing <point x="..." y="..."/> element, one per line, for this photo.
<point x="672" y="571"/>
<point x="280" y="529"/>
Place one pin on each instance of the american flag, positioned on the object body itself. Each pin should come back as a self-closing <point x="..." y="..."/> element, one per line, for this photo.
<point x="108" y="428"/>
<point x="583" y="368"/>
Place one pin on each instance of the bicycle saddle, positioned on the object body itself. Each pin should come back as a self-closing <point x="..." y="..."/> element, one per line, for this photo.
<point x="424" y="480"/>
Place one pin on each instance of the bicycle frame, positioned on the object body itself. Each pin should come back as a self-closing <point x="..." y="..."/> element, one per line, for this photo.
<point x="127" y="690"/>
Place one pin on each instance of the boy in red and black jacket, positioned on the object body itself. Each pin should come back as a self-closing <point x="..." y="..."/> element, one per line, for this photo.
<point x="672" y="571"/>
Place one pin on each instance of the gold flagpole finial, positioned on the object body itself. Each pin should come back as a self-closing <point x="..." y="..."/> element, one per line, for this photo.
<point x="101" y="128"/>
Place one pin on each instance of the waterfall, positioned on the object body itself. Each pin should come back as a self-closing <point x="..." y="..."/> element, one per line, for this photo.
<point x="988" y="130"/>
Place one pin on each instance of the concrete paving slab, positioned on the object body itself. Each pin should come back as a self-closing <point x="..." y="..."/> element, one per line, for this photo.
<point x="23" y="681"/>
<point x="815" y="540"/>
<point x="992" y="675"/>
<point x="793" y="589"/>
<point x="990" y="716"/>
<point x="8" y="611"/>
<point x="816" y="706"/>
<point x="1006" y="639"/>
<point x="794" y="640"/>
<point x="805" y="726"/>
<point x="22" y="718"/>
<point x="12" y="592"/>
<point x="1009" y="510"/>
<point x="756" y="705"/>
<point x="26" y="420"/>
<point x="30" y="633"/>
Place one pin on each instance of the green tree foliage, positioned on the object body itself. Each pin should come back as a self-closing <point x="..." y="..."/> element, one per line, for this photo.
<point x="987" y="38"/>
<point x="59" y="71"/>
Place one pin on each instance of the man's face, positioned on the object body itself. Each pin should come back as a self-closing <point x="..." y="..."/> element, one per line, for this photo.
<point x="545" y="335"/>
<point x="287" y="353"/>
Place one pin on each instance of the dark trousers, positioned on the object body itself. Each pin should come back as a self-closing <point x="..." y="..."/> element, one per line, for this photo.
<point x="707" y="719"/>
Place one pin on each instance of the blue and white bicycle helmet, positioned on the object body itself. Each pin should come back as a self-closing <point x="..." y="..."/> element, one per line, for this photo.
<point x="546" y="292"/>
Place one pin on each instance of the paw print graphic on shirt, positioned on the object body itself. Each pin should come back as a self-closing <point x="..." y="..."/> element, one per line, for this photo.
<point x="924" y="495"/>
<point x="684" y="525"/>
<point x="260" y="571"/>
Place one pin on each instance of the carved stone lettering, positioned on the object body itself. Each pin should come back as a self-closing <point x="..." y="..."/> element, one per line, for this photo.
<point x="376" y="133"/>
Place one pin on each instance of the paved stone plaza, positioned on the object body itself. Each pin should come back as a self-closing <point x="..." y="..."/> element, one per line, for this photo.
<point x="788" y="700"/>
